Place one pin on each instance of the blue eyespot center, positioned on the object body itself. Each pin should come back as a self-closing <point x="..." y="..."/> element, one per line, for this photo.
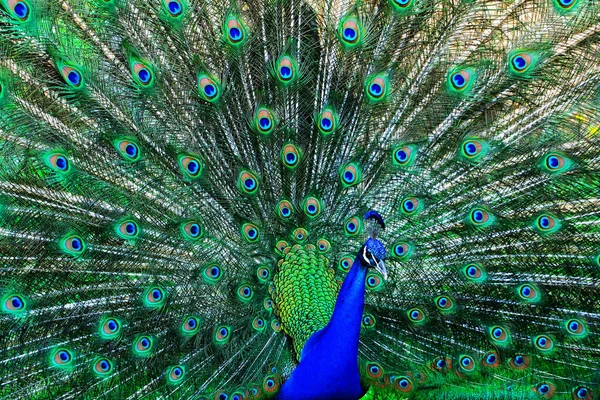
<point x="372" y="281"/>
<point x="74" y="77"/>
<point x="351" y="226"/>
<point x="472" y="271"/>
<point x="270" y="383"/>
<point x="144" y="75"/>
<point x="252" y="233"/>
<point x="478" y="216"/>
<point x="497" y="332"/>
<point x="16" y="302"/>
<point x="210" y="90"/>
<point x="285" y="211"/>
<point x="542" y="341"/>
<point x="573" y="326"/>
<point x="131" y="150"/>
<point x="442" y="301"/>
<point x="285" y="72"/>
<point x="414" y="314"/>
<point x="326" y="123"/>
<point x="348" y="176"/>
<point x="553" y="162"/>
<point x="491" y="359"/>
<point x="458" y="80"/>
<point x="466" y="361"/>
<point x="61" y="163"/>
<point x="112" y="325"/>
<point x="322" y="246"/>
<point x="312" y="209"/>
<point x="519" y="62"/>
<point x="177" y="371"/>
<point x="174" y="7"/>
<point x="349" y="34"/>
<point x="471" y="148"/>
<point x="104" y="365"/>
<point x="194" y="229"/>
<point x="375" y="89"/>
<point x="440" y="363"/>
<point x="582" y="393"/>
<point x="265" y="123"/>
<point x="156" y="294"/>
<point x="249" y="183"/>
<point x="191" y="323"/>
<point x="526" y="291"/>
<point x="403" y="383"/>
<point x="64" y="355"/>
<point x="399" y="250"/>
<point x="223" y="332"/>
<point x="235" y="34"/>
<point x="519" y="360"/>
<point x="130" y="228"/>
<point x="401" y="155"/>
<point x="76" y="244"/>
<point x="145" y="342"/>
<point x="543" y="389"/>
<point x="214" y="271"/>
<point x="290" y="158"/>
<point x="409" y="205"/>
<point x="21" y="10"/>
<point x="193" y="167"/>
<point x="544" y="222"/>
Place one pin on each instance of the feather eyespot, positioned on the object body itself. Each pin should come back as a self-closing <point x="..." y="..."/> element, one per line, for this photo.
<point x="566" y="5"/>
<point x="19" y="9"/>
<point x="222" y="334"/>
<point x="128" y="149"/>
<point x="345" y="263"/>
<point x="473" y="149"/>
<point x="491" y="359"/>
<point x="127" y="229"/>
<point x="444" y="303"/>
<point x="403" y="250"/>
<point x="271" y="384"/>
<point x="212" y="274"/>
<point x="190" y="166"/>
<point x="175" y="374"/>
<point x="583" y="393"/>
<point x="528" y="292"/>
<point x="350" y="32"/>
<point x="62" y="357"/>
<point x="474" y="272"/>
<point x="556" y="163"/>
<point x="543" y="343"/>
<point x="374" y="370"/>
<point x="154" y="297"/>
<point x="403" y="384"/>
<point x="247" y="182"/>
<point x="499" y="335"/>
<point x="72" y="76"/>
<point x="480" y="217"/>
<point x="291" y="155"/>
<point x="14" y="304"/>
<point x="401" y="5"/>
<point x="416" y="315"/>
<point x="102" y="366"/>
<point x="110" y="328"/>
<point x="466" y="363"/>
<point x="312" y="207"/>
<point x="175" y="8"/>
<point x="281" y="245"/>
<point x="209" y="87"/>
<point x="374" y="282"/>
<point x="244" y="293"/>
<point x="350" y="174"/>
<point x="286" y="70"/>
<point x="520" y="62"/>
<point x="323" y="245"/>
<point x="368" y="321"/>
<point x="73" y="245"/>
<point x="441" y="364"/>
<point x="300" y="234"/>
<point x="327" y="123"/>
<point x="285" y="209"/>
<point x="520" y="362"/>
<point x="460" y="80"/>
<point x="377" y="88"/>
<point x="58" y="162"/>
<point x="258" y="324"/>
<point x="191" y="230"/>
<point x="403" y="155"/>
<point x="264" y="121"/>
<point x="576" y="328"/>
<point x="547" y="390"/>
<point x="353" y="226"/>
<point x="190" y="325"/>
<point x="142" y="346"/>
<point x="547" y="223"/>
<point x="263" y="274"/>
<point x="250" y="232"/>
<point x="275" y="325"/>
<point x="235" y="31"/>
<point x="142" y="73"/>
<point x="268" y="304"/>
<point x="411" y="205"/>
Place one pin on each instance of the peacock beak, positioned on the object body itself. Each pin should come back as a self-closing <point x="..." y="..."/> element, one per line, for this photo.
<point x="375" y="262"/>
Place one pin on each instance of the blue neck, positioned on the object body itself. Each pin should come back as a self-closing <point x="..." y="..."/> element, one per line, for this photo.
<point x="328" y="367"/>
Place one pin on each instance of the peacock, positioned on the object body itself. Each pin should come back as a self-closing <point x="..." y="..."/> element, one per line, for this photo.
<point x="300" y="199"/>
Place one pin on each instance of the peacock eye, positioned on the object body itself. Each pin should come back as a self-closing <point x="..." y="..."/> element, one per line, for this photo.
<point x="235" y="31"/>
<point x="248" y="182"/>
<point x="290" y="155"/>
<point x="14" y="304"/>
<point x="327" y="121"/>
<point x="312" y="207"/>
<point x="102" y="366"/>
<point x="286" y="70"/>
<point x="175" y="374"/>
<point x="190" y="166"/>
<point x="250" y="232"/>
<point x="110" y="328"/>
<point x="264" y="121"/>
<point x="244" y="293"/>
<point x="154" y="297"/>
<point x="62" y="357"/>
<point x="350" y="175"/>
<point x="411" y="205"/>
<point x="20" y="9"/>
<point x="350" y="32"/>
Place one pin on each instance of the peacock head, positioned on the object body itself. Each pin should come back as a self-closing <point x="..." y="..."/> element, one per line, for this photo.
<point x="373" y="252"/>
